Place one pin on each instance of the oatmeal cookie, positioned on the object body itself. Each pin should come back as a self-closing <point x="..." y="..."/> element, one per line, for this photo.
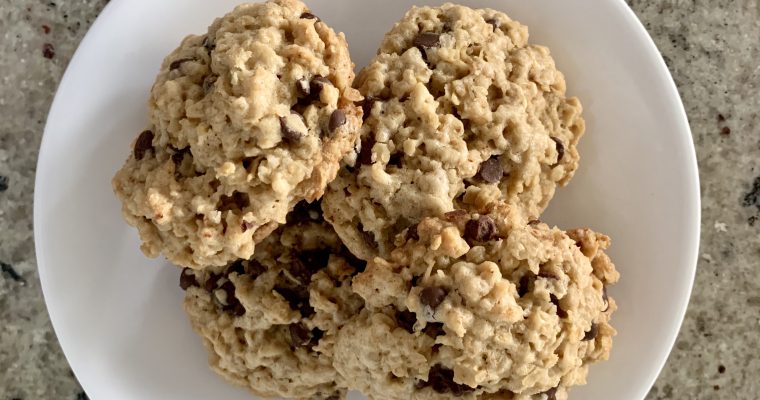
<point x="473" y="306"/>
<point x="460" y="111"/>
<point x="269" y="323"/>
<point x="246" y="121"/>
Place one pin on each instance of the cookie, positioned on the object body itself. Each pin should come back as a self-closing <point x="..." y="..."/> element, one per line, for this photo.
<point x="460" y="111"/>
<point x="246" y="121"/>
<point x="473" y="306"/>
<point x="269" y="323"/>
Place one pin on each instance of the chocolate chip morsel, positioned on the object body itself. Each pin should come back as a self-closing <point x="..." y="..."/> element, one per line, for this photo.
<point x="367" y="105"/>
<point x="482" y="229"/>
<point x="494" y="22"/>
<point x="560" y="151"/>
<point x="551" y="394"/>
<point x="432" y="296"/>
<point x="592" y="333"/>
<point x="427" y="40"/>
<point x="560" y="312"/>
<point x="337" y="119"/>
<point x="178" y="63"/>
<point x="187" y="279"/>
<point x="299" y="334"/>
<point x="491" y="170"/>
<point x="143" y="143"/>
<point x="406" y="320"/>
<point x="441" y="379"/>
<point x="308" y="15"/>
<point x="292" y="127"/>
<point x="365" y="154"/>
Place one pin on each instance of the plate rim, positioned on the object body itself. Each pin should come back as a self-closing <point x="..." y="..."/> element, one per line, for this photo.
<point x="685" y="134"/>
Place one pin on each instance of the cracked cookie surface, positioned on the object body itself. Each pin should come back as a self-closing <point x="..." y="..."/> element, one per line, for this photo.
<point x="246" y="121"/>
<point x="460" y="111"/>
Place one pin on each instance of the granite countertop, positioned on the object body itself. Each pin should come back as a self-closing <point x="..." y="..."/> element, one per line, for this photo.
<point x="712" y="50"/>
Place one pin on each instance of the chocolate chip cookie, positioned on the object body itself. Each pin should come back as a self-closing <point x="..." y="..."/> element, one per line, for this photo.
<point x="269" y="323"/>
<point x="473" y="306"/>
<point x="245" y="121"/>
<point x="460" y="111"/>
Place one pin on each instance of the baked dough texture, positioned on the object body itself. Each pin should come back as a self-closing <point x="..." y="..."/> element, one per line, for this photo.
<point x="460" y="111"/>
<point x="245" y="121"/>
<point x="473" y="306"/>
<point x="269" y="323"/>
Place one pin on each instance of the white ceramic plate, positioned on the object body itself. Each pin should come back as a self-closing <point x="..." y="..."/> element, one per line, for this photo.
<point x="118" y="314"/>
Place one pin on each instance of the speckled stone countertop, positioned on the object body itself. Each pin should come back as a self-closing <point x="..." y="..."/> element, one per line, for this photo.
<point x="712" y="48"/>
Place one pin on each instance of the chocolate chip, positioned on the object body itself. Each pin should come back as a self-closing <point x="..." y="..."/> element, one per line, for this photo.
<point x="143" y="144"/>
<point x="178" y="63"/>
<point x="725" y="131"/>
<point x="524" y="285"/>
<point x="187" y="279"/>
<point x="208" y="82"/>
<point x="432" y="296"/>
<point x="721" y="369"/>
<point x="494" y="22"/>
<point x="237" y="309"/>
<point x="290" y="132"/>
<point x="337" y="119"/>
<point x="434" y="329"/>
<point x="591" y="334"/>
<point x="211" y="282"/>
<point x="455" y="215"/>
<point x="367" y="105"/>
<point x="441" y="379"/>
<point x="308" y="15"/>
<point x="80" y="396"/>
<point x="303" y="88"/>
<point x="317" y="84"/>
<point x="300" y="335"/>
<point x="365" y="155"/>
<point x="482" y="229"/>
<point x="3" y="183"/>
<point x="606" y="299"/>
<point x="179" y="155"/>
<point x="237" y="267"/>
<point x="412" y="234"/>
<point x="427" y="40"/>
<point x="491" y="170"/>
<point x="48" y="51"/>
<point x="396" y="160"/>
<point x="560" y="151"/>
<point x="229" y="290"/>
<point x="406" y="320"/>
<point x="560" y="312"/>
<point x="551" y="394"/>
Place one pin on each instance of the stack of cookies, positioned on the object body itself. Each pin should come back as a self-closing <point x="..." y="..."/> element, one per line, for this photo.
<point x="378" y="234"/>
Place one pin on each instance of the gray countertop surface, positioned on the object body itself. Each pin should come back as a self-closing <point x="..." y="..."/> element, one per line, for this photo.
<point x="712" y="48"/>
